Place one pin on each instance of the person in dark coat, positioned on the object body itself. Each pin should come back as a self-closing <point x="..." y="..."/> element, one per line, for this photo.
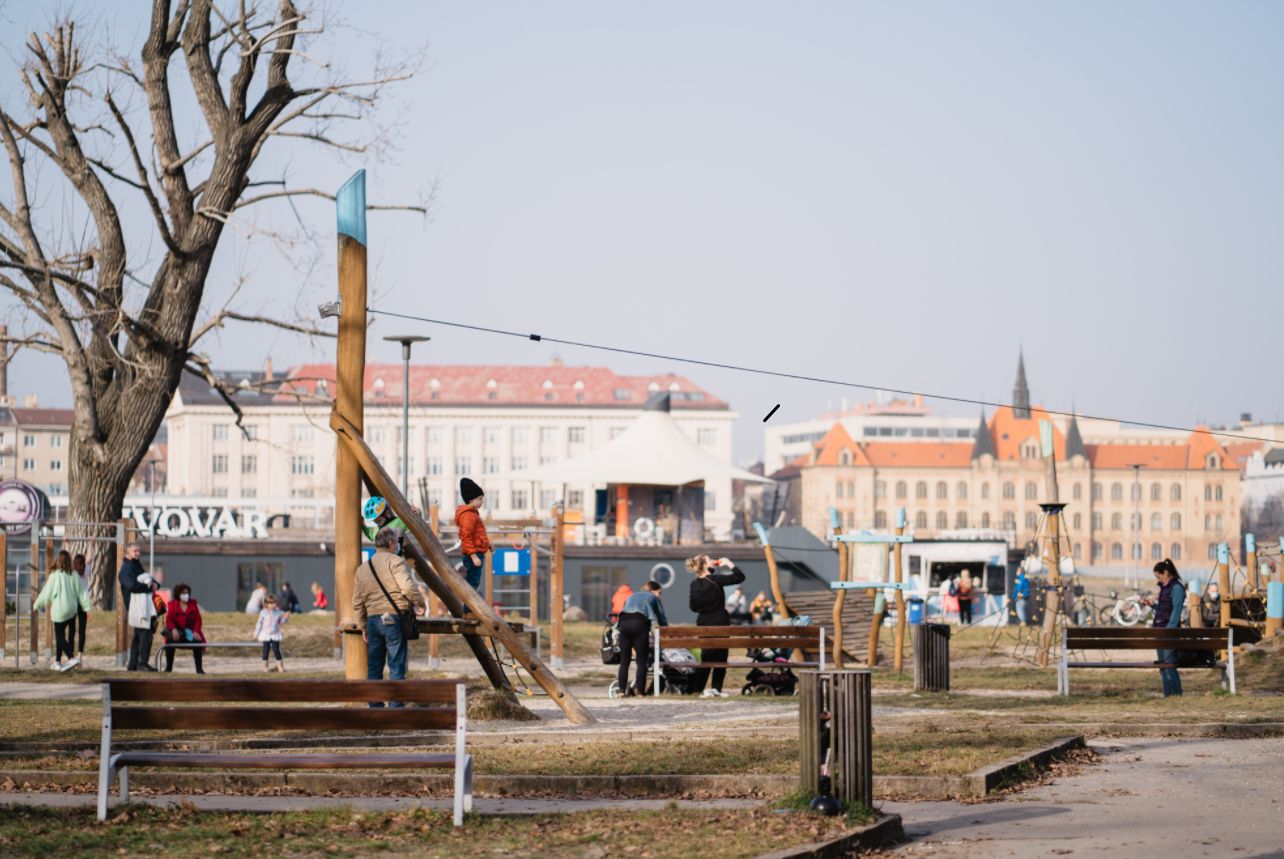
<point x="289" y="599"/>
<point x="134" y="580"/>
<point x="709" y="601"/>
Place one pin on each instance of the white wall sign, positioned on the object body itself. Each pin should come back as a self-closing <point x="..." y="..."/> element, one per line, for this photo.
<point x="201" y="522"/>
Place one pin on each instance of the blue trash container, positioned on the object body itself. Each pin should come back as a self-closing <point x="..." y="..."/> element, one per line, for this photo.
<point x="915" y="612"/>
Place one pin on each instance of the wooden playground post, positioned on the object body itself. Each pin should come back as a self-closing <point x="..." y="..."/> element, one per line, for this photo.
<point x="844" y="575"/>
<point x="125" y="534"/>
<point x="350" y="205"/>
<point x="1193" y="604"/>
<point x="1052" y="509"/>
<point x="902" y="622"/>
<point x="434" y="603"/>
<point x="1250" y="561"/>
<point x="4" y="592"/>
<point x="556" y="589"/>
<point x="34" y="653"/>
<point x="1224" y="582"/>
<point x="773" y="571"/>
<point x="532" y="545"/>
<point x="488" y="577"/>
<point x="49" y="559"/>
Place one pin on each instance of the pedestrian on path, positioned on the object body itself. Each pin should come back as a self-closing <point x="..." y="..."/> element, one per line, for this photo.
<point x="965" y="598"/>
<point x="639" y="612"/>
<point x="708" y="600"/>
<point x="136" y="586"/>
<point x="382" y="594"/>
<point x="1168" y="606"/>
<point x="64" y="595"/>
<point x="183" y="626"/>
<point x="1020" y="593"/>
<point x="268" y="631"/>
<point x="79" y="563"/>
<point x="473" y="541"/>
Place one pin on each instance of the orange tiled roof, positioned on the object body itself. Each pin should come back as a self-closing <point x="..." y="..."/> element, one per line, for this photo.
<point x="1191" y="455"/>
<point x="834" y="443"/>
<point x="1010" y="432"/>
<point x="918" y="454"/>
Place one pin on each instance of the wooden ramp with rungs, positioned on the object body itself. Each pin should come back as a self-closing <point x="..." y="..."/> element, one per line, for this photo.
<point x="858" y="611"/>
<point x="455" y="593"/>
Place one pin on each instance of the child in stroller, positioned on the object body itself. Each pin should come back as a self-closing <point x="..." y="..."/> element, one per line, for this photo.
<point x="775" y="678"/>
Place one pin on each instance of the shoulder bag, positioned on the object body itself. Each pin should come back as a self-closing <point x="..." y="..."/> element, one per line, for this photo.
<point x="409" y="623"/>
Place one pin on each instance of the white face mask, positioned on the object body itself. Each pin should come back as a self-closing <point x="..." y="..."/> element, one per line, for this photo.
<point x="185" y="597"/>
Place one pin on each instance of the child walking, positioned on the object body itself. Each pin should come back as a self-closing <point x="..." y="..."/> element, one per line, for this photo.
<point x="268" y="631"/>
<point x="64" y="594"/>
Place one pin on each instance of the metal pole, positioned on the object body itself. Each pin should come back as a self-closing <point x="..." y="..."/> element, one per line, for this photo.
<point x="405" y="420"/>
<point x="1133" y="548"/>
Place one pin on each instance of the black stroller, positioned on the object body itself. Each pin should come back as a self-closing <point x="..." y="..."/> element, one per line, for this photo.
<point x="774" y="678"/>
<point x="673" y="678"/>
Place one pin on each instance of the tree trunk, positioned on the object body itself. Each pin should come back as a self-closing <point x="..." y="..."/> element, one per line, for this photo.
<point x="97" y="493"/>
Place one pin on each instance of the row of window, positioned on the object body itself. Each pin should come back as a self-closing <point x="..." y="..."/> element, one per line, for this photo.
<point x="463" y="435"/>
<point x="30" y="440"/>
<point x="32" y="465"/>
<point x="847" y="489"/>
<point x="1211" y="522"/>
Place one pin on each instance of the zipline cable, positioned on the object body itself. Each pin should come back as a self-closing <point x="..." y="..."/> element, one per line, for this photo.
<point x="799" y="377"/>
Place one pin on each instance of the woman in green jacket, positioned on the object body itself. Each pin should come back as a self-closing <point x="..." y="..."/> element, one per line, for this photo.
<point x="64" y="594"/>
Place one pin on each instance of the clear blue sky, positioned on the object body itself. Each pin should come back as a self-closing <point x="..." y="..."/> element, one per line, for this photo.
<point x="895" y="193"/>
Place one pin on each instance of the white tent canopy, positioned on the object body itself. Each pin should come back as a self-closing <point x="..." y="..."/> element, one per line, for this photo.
<point x="653" y="451"/>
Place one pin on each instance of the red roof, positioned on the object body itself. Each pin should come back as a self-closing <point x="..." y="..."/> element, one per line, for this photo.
<point x="1010" y="432"/>
<point x="918" y="454"/>
<point x="43" y="417"/>
<point x="505" y="385"/>
<point x="1194" y="454"/>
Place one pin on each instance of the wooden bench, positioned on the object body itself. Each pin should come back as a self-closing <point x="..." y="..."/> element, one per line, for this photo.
<point x="803" y="639"/>
<point x="1147" y="638"/>
<point x="445" y="700"/>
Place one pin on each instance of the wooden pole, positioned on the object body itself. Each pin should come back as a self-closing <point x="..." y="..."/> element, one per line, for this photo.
<point x="4" y="592"/>
<point x="1053" y="602"/>
<point x="556" y="590"/>
<point x="902" y="622"/>
<point x="773" y="572"/>
<point x="434" y="602"/>
<point x="34" y="653"/>
<point x="440" y="574"/>
<point x="1250" y="561"/>
<point x="836" y="526"/>
<point x="350" y="370"/>
<point x="1224" y="581"/>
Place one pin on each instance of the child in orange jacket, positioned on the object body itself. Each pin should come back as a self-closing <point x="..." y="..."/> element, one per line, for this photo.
<point x="473" y="541"/>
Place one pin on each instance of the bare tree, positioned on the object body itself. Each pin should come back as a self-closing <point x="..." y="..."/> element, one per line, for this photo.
<point x="124" y="321"/>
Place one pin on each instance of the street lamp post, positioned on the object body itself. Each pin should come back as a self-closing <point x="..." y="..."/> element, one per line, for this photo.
<point x="1134" y="548"/>
<point x="406" y="341"/>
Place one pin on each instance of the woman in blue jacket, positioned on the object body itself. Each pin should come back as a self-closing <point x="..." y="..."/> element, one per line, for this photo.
<point x="1168" y="606"/>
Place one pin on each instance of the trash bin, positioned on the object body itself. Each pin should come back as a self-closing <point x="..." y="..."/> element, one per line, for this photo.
<point x="932" y="657"/>
<point x="836" y="733"/>
<point x="915" y="610"/>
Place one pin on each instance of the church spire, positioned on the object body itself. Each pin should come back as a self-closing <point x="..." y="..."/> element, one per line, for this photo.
<point x="1074" y="439"/>
<point x="984" y="441"/>
<point x="1021" y="390"/>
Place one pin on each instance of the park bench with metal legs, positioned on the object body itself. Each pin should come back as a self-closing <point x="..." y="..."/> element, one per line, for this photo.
<point x="444" y="706"/>
<point x="1205" y="639"/>
<point x="800" y="639"/>
<point x="205" y="647"/>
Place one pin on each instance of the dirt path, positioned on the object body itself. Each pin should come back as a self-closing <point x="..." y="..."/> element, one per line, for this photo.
<point x="1153" y="797"/>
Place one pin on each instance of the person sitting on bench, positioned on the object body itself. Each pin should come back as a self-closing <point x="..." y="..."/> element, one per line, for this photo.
<point x="1168" y="606"/>
<point x="183" y="626"/>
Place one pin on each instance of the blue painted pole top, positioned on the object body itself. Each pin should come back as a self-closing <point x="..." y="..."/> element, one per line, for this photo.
<point x="350" y="203"/>
<point x="901" y="518"/>
<point x="1250" y="543"/>
<point x="762" y="533"/>
<point x="1223" y="553"/>
<point x="833" y="519"/>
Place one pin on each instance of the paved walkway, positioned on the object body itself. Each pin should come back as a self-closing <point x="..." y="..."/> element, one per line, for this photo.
<point x="1169" y="797"/>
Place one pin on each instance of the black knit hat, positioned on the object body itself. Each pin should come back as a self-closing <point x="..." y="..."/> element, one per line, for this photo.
<point x="469" y="490"/>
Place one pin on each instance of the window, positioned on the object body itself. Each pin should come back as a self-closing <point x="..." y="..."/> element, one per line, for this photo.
<point x="710" y="501"/>
<point x="960" y="491"/>
<point x="596" y="586"/>
<point x="1212" y="551"/>
<point x="1096" y="521"/>
<point x="900" y="489"/>
<point x="547" y="498"/>
<point x="1030" y="450"/>
<point x="301" y="465"/>
<point x="545" y="459"/>
<point x="1217" y="493"/>
<point x="575" y="435"/>
<point x="985" y="490"/>
<point x="960" y="520"/>
<point x="219" y="463"/>
<point x="251" y="432"/>
<point x="845" y="458"/>
<point x="1134" y="492"/>
<point x="1116" y="552"/>
<point x="1174" y="494"/>
<point x="1208" y="521"/>
<point x="942" y="490"/>
<point x="219" y="492"/>
<point x="1009" y="521"/>
<point x="880" y="489"/>
<point x="985" y="520"/>
<point x="547" y="435"/>
<point x="575" y="499"/>
<point x="28" y="441"/>
<point x="1078" y="551"/>
<point x="1009" y="490"/>
<point x="1208" y="493"/>
<point x="55" y="465"/>
<point x="519" y="463"/>
<point x="519" y="498"/>
<point x="1078" y="491"/>
<point x="1116" y="492"/>
<point x="377" y="435"/>
<point x="1214" y="461"/>
<point x="851" y="489"/>
<point x="1156" y="551"/>
<point x="55" y="441"/>
<point x="434" y="435"/>
<point x="1096" y="492"/>
<point x="1078" y="521"/>
<point x="249" y="464"/>
<point x="920" y="519"/>
<point x="838" y="489"/>
<point x="1031" y="490"/>
<point x="920" y="489"/>
<point x="249" y="492"/>
<point x="463" y="465"/>
<point x="490" y="435"/>
<point x="1156" y="493"/>
<point x="490" y="465"/>
<point x="880" y="519"/>
<point x="1032" y="520"/>
<point x="463" y="435"/>
<point x="1219" y="522"/>
<point x="1175" y="522"/>
<point x="1174" y="551"/>
<point x="300" y="432"/>
<point x="1156" y="521"/>
<point x="28" y="465"/>
<point x="434" y="466"/>
<point x="707" y="437"/>
<point x="1116" y="521"/>
<point x="1096" y="551"/>
<point x="942" y="520"/>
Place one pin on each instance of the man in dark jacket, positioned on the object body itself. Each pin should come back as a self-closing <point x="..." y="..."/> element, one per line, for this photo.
<point x="709" y="602"/>
<point x="132" y="582"/>
<point x="289" y="599"/>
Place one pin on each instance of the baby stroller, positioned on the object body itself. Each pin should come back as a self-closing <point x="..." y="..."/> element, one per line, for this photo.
<point x="673" y="678"/>
<point x="611" y="640"/>
<point x="774" y="678"/>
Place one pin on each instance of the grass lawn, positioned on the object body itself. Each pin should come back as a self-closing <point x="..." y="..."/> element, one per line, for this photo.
<point x="670" y="833"/>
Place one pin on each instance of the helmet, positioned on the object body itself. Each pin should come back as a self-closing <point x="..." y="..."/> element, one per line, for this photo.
<point x="374" y="507"/>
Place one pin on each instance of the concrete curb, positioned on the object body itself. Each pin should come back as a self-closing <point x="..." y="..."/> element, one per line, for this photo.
<point x="886" y="831"/>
